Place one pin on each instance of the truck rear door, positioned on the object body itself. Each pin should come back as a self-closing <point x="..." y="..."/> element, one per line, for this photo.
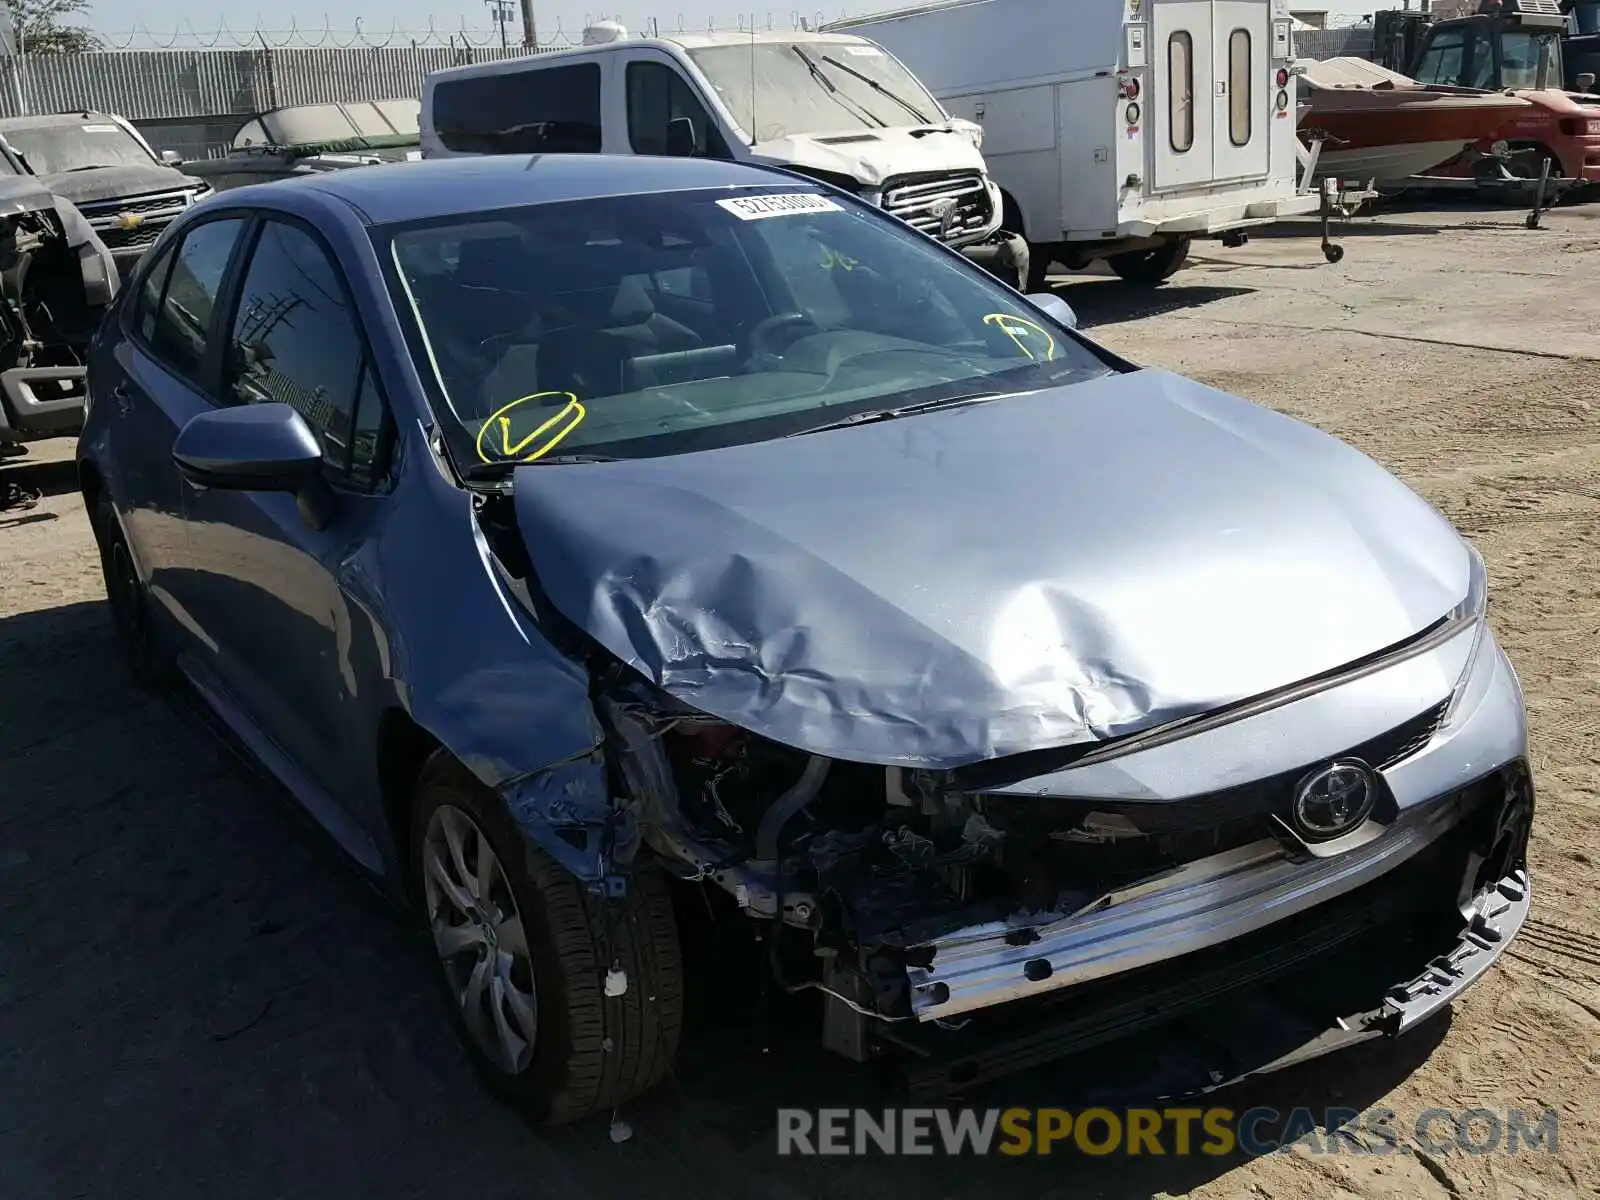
<point x="1241" y="40"/>
<point x="1181" y="58"/>
<point x="1209" y="59"/>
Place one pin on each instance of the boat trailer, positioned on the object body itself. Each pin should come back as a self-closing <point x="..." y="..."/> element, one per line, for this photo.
<point x="1340" y="200"/>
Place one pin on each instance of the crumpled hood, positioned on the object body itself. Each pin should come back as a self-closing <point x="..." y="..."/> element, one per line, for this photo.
<point x="1035" y="571"/>
<point x="107" y="183"/>
<point x="873" y="155"/>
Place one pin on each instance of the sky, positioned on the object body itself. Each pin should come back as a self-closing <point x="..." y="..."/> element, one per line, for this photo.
<point x="196" y="23"/>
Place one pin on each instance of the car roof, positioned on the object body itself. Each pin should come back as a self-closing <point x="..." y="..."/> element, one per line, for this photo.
<point x="447" y="187"/>
<point x="661" y="41"/>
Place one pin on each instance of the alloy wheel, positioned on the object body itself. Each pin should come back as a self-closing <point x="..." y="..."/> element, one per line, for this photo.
<point x="479" y="935"/>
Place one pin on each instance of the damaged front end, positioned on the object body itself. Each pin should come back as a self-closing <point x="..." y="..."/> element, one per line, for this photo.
<point x="969" y="933"/>
<point x="56" y="279"/>
<point x="1002" y="804"/>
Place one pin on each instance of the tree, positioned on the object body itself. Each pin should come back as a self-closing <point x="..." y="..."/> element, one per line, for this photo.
<point x="48" y="26"/>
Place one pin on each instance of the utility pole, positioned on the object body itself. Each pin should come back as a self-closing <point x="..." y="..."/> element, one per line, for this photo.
<point x="530" y="34"/>
<point x="502" y="15"/>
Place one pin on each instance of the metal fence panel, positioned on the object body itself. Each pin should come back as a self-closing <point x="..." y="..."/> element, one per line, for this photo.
<point x="322" y="76"/>
<point x="135" y="83"/>
<point x="1355" y="42"/>
<point x="165" y="85"/>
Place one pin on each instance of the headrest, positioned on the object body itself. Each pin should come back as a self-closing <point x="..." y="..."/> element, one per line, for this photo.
<point x="490" y="262"/>
<point x="632" y="304"/>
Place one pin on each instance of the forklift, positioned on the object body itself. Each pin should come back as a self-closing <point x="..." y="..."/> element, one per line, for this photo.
<point x="1506" y="44"/>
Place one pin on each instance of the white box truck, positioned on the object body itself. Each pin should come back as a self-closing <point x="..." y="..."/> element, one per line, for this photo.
<point x="1116" y="129"/>
<point x="832" y="106"/>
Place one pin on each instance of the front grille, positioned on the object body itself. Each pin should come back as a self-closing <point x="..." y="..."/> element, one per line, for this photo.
<point x="117" y="238"/>
<point x="139" y="205"/>
<point x="1182" y="830"/>
<point x="918" y="200"/>
<point x="1401" y="742"/>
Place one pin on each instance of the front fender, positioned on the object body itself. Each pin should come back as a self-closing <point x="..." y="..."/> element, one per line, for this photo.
<point x="476" y="671"/>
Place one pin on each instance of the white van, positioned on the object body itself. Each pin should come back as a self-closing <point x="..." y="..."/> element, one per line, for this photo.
<point x="835" y="107"/>
<point x="1117" y="129"/>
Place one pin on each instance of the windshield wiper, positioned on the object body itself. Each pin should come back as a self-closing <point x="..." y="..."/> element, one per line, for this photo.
<point x="905" y="410"/>
<point x="821" y="76"/>
<point x="879" y="88"/>
<point x="493" y="471"/>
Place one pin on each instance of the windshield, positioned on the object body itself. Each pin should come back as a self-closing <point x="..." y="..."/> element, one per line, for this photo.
<point x="53" y="148"/>
<point x="775" y="89"/>
<point x="1530" y="60"/>
<point x="648" y="325"/>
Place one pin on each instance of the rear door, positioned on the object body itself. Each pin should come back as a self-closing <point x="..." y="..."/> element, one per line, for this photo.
<point x="153" y="381"/>
<point x="1181" y="61"/>
<point x="1240" y="45"/>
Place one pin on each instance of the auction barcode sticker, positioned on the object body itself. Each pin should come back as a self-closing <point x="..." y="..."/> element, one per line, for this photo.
<point x="788" y="204"/>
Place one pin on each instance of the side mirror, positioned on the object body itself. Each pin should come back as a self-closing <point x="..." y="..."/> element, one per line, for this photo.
<point x="1586" y="82"/>
<point x="681" y="141"/>
<point x="1054" y="307"/>
<point x="251" y="448"/>
<point x="171" y="157"/>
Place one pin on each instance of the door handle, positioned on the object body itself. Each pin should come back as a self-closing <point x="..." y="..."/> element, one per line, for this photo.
<point x="122" y="398"/>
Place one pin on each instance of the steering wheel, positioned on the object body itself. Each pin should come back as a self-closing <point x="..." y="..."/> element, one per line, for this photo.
<point x="771" y="337"/>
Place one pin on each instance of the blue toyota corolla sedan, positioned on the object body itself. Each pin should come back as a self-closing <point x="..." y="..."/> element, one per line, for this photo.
<point x="571" y="533"/>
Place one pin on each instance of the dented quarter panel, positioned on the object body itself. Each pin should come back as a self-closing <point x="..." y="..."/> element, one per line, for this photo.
<point x="1031" y="572"/>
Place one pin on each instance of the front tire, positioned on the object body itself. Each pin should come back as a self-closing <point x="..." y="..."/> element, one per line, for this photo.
<point x="1150" y="267"/>
<point x="523" y="954"/>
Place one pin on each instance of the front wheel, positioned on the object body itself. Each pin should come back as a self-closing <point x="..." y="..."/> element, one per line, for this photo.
<point x="1151" y="266"/>
<point x="568" y="1004"/>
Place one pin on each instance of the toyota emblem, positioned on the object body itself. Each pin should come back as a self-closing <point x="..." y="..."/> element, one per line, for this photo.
<point x="1334" y="800"/>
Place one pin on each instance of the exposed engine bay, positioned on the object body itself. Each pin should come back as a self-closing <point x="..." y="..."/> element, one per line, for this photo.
<point x="56" y="278"/>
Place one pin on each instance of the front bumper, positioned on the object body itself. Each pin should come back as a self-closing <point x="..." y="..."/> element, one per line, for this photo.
<point x="1004" y="255"/>
<point x="41" y="402"/>
<point x="1424" y="902"/>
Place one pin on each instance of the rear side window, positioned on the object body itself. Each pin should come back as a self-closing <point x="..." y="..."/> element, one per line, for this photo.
<point x="183" y="321"/>
<point x="555" y="110"/>
<point x="148" y="303"/>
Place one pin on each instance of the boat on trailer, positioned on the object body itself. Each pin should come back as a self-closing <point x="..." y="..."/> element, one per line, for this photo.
<point x="305" y="139"/>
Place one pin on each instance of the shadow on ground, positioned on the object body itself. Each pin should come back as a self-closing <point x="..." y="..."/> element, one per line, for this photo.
<point x="1100" y="301"/>
<point x="198" y="1001"/>
<point x="49" y="478"/>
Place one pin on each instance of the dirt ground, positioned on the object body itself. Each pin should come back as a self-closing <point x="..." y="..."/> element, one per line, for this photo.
<point x="197" y="1000"/>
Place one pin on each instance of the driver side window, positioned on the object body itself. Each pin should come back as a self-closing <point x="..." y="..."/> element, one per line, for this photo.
<point x="296" y="341"/>
<point x="659" y="95"/>
<point x="1444" y="60"/>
